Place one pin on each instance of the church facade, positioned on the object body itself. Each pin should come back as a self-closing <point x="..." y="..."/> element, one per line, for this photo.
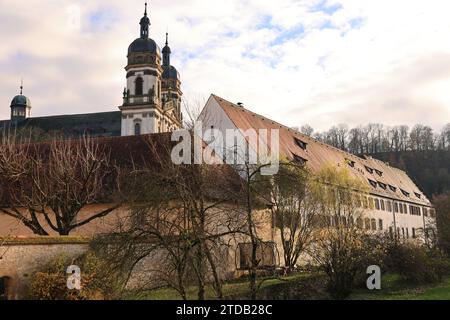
<point x="151" y="98"/>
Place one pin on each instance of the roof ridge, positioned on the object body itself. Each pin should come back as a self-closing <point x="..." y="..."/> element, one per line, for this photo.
<point x="288" y="128"/>
<point x="72" y="115"/>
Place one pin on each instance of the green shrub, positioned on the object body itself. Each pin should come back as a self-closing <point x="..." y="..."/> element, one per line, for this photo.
<point x="98" y="282"/>
<point x="416" y="264"/>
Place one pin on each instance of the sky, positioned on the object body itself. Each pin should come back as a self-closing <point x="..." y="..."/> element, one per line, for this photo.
<point x="317" y="62"/>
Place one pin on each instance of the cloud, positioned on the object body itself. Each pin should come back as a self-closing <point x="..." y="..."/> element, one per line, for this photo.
<point x="297" y="61"/>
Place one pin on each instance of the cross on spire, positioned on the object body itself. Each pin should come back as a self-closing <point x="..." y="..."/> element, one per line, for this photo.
<point x="21" y="86"/>
<point x="145" y="13"/>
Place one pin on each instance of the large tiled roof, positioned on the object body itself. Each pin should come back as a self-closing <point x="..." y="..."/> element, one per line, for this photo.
<point x="94" y="124"/>
<point x="319" y="155"/>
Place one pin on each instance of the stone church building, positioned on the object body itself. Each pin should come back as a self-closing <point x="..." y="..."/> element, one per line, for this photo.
<point x="151" y="98"/>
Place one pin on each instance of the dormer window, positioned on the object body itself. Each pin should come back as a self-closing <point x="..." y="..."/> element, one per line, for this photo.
<point x="351" y="163"/>
<point x="373" y="183"/>
<point x="299" y="160"/>
<point x="405" y="193"/>
<point x="418" y="195"/>
<point x="382" y="185"/>
<point x="380" y="173"/>
<point x="393" y="189"/>
<point x="303" y="145"/>
<point x="369" y="170"/>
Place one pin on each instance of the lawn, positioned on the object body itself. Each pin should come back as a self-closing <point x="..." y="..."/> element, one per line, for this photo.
<point x="395" y="289"/>
<point x="231" y="290"/>
<point x="310" y="286"/>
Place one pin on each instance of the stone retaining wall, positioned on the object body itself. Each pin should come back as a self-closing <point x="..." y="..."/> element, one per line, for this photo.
<point x="20" y="258"/>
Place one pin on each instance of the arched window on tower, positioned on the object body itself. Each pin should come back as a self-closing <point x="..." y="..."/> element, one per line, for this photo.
<point x="139" y="86"/>
<point x="137" y="129"/>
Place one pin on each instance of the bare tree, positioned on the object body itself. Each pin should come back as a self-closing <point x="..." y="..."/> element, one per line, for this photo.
<point x="307" y="130"/>
<point x="294" y="209"/>
<point x="192" y="109"/>
<point x="338" y="246"/>
<point x="185" y="210"/>
<point x="54" y="182"/>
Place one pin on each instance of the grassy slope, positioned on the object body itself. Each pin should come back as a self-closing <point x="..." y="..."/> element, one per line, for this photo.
<point x="394" y="289"/>
<point x="235" y="289"/>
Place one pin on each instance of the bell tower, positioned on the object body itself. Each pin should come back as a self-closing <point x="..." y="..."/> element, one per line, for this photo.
<point x="142" y="94"/>
<point x="171" y="86"/>
<point x="150" y="105"/>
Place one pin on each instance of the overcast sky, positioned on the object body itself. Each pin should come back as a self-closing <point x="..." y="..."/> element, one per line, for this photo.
<point x="321" y="62"/>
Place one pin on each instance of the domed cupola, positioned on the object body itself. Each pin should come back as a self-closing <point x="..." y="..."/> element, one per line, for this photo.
<point x="170" y="72"/>
<point x="144" y="49"/>
<point x="147" y="107"/>
<point x="20" y="107"/>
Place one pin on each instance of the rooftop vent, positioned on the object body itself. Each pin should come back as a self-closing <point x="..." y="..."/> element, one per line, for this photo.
<point x="405" y="193"/>
<point x="240" y="104"/>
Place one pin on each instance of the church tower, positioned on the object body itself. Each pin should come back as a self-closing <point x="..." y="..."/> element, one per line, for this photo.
<point x="171" y="85"/>
<point x="143" y="109"/>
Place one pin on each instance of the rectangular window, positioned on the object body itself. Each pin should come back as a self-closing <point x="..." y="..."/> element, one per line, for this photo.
<point x="391" y="232"/>
<point x="366" y="203"/>
<point x="382" y="205"/>
<point x="413" y="233"/>
<point x="367" y="223"/>
<point x="407" y="233"/>
<point x="373" y="223"/>
<point x="377" y="204"/>
<point x="380" y="224"/>
<point x="401" y="207"/>
<point x="371" y="203"/>
<point x="265" y="254"/>
<point x="403" y="233"/>
<point x="396" y="207"/>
